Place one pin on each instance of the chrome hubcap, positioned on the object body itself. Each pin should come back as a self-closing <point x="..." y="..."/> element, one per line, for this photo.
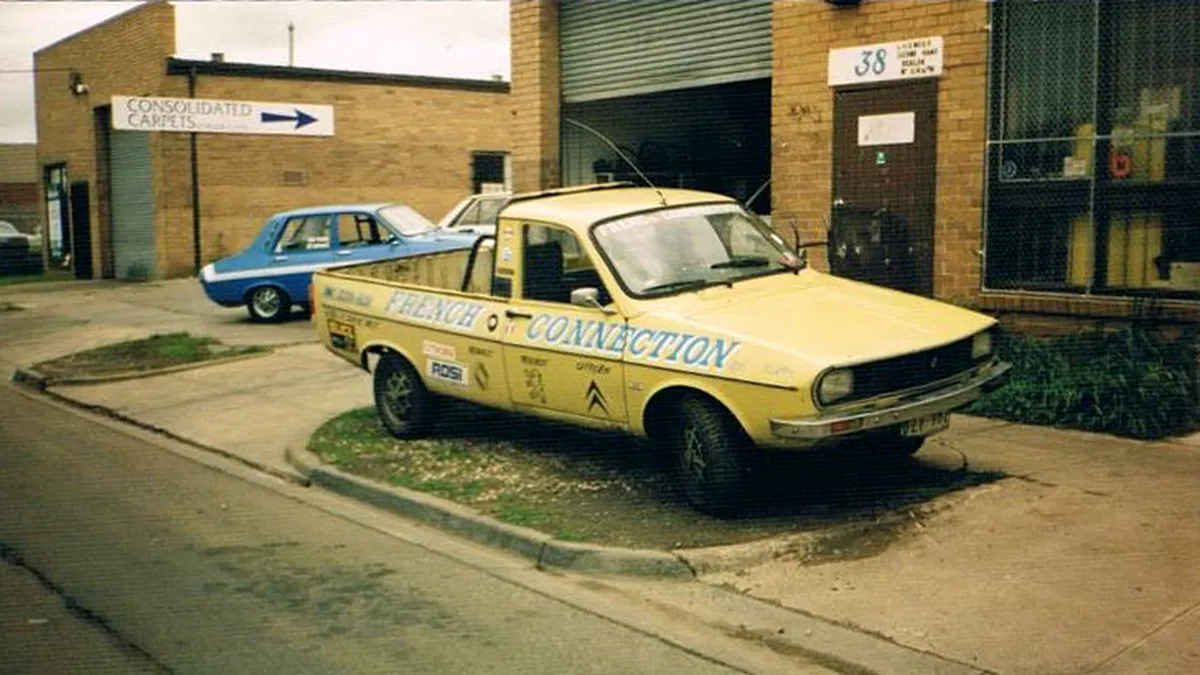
<point x="397" y="395"/>
<point x="266" y="301"/>
<point x="693" y="453"/>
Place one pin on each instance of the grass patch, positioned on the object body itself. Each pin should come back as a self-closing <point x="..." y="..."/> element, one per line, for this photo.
<point x="582" y="486"/>
<point x="157" y="351"/>
<point x="23" y="279"/>
<point x="1131" y="383"/>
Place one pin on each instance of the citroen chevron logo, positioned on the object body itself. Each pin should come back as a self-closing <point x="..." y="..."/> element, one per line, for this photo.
<point x="595" y="397"/>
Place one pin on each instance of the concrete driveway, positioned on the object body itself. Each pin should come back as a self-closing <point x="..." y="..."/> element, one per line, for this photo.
<point x="60" y="318"/>
<point x="1085" y="558"/>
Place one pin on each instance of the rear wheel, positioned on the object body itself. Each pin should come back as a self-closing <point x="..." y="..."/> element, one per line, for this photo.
<point x="401" y="400"/>
<point x="714" y="459"/>
<point x="268" y="304"/>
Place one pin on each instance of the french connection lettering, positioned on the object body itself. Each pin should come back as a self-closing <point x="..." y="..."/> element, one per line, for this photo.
<point x="612" y="339"/>
<point x="434" y="309"/>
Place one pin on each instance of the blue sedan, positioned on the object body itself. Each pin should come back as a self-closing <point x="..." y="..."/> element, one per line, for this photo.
<point x="274" y="273"/>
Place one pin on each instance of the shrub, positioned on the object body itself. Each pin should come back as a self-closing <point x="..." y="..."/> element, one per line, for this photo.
<point x="1131" y="383"/>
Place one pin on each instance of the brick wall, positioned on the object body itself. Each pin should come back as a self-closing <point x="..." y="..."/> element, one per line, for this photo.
<point x="536" y="94"/>
<point x="392" y="141"/>
<point x="411" y="144"/>
<point x="121" y="56"/>
<point x="802" y="119"/>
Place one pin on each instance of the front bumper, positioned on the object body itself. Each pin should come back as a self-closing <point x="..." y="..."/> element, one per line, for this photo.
<point x="942" y="400"/>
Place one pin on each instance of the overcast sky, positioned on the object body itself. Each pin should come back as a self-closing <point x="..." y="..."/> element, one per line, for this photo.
<point x="467" y="38"/>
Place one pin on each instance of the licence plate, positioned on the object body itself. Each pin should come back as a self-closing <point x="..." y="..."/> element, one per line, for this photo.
<point x="926" y="426"/>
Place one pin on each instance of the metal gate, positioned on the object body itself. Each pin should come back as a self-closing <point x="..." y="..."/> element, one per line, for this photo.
<point x="132" y="205"/>
<point x="612" y="49"/>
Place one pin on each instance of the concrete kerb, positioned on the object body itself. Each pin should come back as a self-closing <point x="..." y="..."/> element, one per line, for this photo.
<point x="543" y="549"/>
<point x="39" y="381"/>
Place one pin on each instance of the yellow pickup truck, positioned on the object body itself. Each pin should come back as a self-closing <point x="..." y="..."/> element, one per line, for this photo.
<point x="664" y="313"/>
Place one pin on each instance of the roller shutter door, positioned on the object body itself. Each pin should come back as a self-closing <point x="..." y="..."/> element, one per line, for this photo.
<point x="132" y="205"/>
<point x="621" y="48"/>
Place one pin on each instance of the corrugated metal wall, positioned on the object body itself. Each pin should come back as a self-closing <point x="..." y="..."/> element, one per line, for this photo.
<point x="132" y="205"/>
<point x="614" y="48"/>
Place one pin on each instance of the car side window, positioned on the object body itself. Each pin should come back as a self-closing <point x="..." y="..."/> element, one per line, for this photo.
<point x="555" y="265"/>
<point x="305" y="233"/>
<point x="359" y="229"/>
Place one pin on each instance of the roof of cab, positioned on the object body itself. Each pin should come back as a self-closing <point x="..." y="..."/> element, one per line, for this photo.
<point x="580" y="207"/>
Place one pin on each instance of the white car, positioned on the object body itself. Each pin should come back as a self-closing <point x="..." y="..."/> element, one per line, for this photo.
<point x="476" y="214"/>
<point x="9" y="232"/>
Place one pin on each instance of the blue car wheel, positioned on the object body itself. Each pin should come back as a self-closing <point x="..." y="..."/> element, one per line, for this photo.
<point x="268" y="304"/>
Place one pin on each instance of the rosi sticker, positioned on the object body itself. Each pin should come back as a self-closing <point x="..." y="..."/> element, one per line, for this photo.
<point x="447" y="371"/>
<point x="438" y="350"/>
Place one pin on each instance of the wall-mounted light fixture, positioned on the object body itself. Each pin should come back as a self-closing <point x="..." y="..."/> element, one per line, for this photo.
<point x="76" y="85"/>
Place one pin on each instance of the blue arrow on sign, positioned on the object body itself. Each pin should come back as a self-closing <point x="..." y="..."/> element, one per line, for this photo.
<point x="300" y="118"/>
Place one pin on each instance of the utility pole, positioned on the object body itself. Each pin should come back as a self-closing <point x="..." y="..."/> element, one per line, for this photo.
<point x="291" y="44"/>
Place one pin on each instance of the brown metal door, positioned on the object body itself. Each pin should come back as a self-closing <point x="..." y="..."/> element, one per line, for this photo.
<point x="884" y="168"/>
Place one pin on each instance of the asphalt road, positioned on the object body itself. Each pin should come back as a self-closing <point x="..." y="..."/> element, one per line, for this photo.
<point x="168" y="565"/>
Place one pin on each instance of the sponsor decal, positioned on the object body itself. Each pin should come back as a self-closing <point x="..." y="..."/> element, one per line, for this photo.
<point x="438" y="350"/>
<point x="345" y="296"/>
<point x="593" y="367"/>
<point x="341" y="335"/>
<point x="434" y="310"/>
<point x="480" y="351"/>
<point x="535" y="383"/>
<point x="481" y="375"/>
<point x="352" y="319"/>
<point x="533" y="361"/>
<point x="447" y="371"/>
<point x="595" y="399"/>
<point x="641" y="344"/>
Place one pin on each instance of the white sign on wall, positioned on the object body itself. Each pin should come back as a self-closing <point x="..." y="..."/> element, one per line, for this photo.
<point x="890" y="129"/>
<point x="215" y="116"/>
<point x="886" y="61"/>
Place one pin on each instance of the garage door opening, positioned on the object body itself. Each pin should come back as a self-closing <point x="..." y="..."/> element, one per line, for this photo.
<point x="715" y="138"/>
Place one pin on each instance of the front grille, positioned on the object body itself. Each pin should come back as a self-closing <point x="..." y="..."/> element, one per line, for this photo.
<point x="912" y="370"/>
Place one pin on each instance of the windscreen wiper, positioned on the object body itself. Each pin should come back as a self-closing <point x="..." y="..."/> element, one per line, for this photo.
<point x="683" y="284"/>
<point x="742" y="261"/>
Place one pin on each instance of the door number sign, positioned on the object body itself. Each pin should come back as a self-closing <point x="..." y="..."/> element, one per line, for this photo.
<point x="886" y="61"/>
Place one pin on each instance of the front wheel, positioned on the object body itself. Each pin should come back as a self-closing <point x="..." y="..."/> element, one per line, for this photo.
<point x="268" y="304"/>
<point x="401" y="400"/>
<point x="714" y="459"/>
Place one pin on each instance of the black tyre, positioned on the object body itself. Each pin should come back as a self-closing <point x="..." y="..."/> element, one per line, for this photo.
<point x="715" y="461"/>
<point x="401" y="400"/>
<point x="268" y="304"/>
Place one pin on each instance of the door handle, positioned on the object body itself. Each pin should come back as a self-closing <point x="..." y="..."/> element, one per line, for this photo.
<point x="344" y="251"/>
<point x="279" y="258"/>
<point x="517" y="314"/>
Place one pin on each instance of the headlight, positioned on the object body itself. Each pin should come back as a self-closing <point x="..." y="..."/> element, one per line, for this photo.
<point x="835" y="385"/>
<point x="981" y="345"/>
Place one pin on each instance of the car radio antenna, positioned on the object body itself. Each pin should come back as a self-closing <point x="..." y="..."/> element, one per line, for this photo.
<point x="620" y="154"/>
<point x="757" y="192"/>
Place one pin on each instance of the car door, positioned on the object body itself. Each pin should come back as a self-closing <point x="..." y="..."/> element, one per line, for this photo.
<point x="561" y="357"/>
<point x="305" y="245"/>
<point x="361" y="237"/>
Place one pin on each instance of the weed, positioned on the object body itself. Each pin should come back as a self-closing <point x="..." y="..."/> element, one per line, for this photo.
<point x="1130" y="383"/>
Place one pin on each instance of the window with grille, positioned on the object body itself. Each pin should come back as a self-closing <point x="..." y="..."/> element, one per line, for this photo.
<point x="1094" y="147"/>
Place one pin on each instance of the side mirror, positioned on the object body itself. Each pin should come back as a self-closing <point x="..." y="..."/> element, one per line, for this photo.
<point x="588" y="297"/>
<point x="393" y="241"/>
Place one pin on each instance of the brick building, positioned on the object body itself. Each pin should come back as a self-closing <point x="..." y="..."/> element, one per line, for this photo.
<point x="19" y="186"/>
<point x="1036" y="160"/>
<point x="127" y="204"/>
